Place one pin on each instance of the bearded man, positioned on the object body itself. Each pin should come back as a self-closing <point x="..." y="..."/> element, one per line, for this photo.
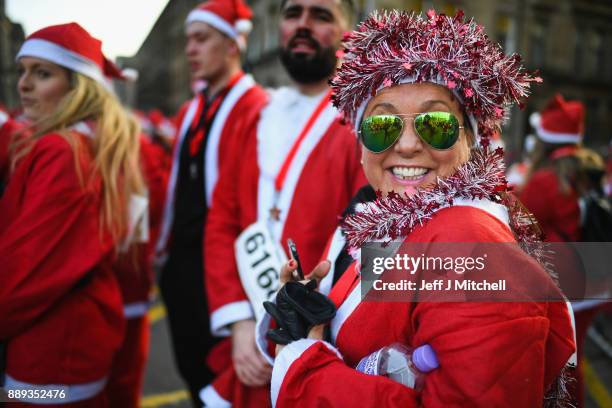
<point x="292" y="179"/>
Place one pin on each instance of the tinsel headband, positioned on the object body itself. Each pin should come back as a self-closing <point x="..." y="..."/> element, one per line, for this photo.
<point x="390" y="46"/>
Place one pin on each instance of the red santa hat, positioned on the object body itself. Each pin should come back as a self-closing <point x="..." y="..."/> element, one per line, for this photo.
<point x="231" y="17"/>
<point x="561" y="122"/>
<point x="70" y="46"/>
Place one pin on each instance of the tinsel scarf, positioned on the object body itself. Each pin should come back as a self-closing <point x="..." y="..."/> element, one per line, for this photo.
<point x="394" y="216"/>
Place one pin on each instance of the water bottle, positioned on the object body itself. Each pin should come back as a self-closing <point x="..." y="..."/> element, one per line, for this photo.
<point x="401" y="364"/>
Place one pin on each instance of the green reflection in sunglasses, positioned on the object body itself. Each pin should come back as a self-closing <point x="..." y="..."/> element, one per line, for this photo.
<point x="440" y="130"/>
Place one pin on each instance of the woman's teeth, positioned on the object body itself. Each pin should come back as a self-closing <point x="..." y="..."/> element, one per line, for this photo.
<point x="407" y="173"/>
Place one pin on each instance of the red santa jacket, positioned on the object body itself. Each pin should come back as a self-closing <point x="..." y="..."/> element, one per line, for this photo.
<point x="134" y="269"/>
<point x="323" y="177"/>
<point x="490" y="354"/>
<point x="8" y="129"/>
<point x="237" y="112"/>
<point x="557" y="213"/>
<point x="59" y="301"/>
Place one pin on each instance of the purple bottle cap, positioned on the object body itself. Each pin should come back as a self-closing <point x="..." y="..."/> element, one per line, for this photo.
<point x="424" y="358"/>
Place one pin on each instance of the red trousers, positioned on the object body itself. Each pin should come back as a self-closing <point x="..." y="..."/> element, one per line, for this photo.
<point x="127" y="375"/>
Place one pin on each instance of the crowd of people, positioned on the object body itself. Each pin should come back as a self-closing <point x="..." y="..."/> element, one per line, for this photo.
<point x="388" y="132"/>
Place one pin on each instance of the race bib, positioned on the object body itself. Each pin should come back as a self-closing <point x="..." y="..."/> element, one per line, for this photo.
<point x="259" y="261"/>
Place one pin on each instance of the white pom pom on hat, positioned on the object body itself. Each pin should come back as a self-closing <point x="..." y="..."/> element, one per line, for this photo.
<point x="243" y="26"/>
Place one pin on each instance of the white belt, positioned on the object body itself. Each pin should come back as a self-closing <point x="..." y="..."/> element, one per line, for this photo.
<point x="71" y="393"/>
<point x="136" y="309"/>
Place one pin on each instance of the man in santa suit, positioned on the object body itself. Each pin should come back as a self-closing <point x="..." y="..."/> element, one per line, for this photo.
<point x="216" y="35"/>
<point x="299" y="166"/>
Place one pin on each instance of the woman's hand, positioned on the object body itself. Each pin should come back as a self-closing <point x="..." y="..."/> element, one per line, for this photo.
<point x="251" y="367"/>
<point x="288" y="273"/>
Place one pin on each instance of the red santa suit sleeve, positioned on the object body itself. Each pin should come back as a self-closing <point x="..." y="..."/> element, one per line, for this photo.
<point x="490" y="354"/>
<point x="59" y="301"/>
<point x="48" y="245"/>
<point x="313" y="373"/>
<point x="224" y="224"/>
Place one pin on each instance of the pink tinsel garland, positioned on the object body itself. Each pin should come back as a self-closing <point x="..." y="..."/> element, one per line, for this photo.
<point x="394" y="216"/>
<point x="390" y="46"/>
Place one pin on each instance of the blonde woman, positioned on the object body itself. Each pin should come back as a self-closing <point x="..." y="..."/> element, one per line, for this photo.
<point x="64" y="214"/>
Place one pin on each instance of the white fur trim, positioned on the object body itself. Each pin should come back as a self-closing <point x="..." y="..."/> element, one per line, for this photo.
<point x="3" y="118"/>
<point x="345" y="310"/>
<point x="211" y="160"/>
<point x="59" y="55"/>
<point x="130" y="74"/>
<point x="168" y="216"/>
<point x="274" y="140"/>
<point x="72" y="392"/>
<point x="574" y="357"/>
<point x="554" y="137"/>
<point x="136" y="309"/>
<point x="138" y="222"/>
<point x="535" y="119"/>
<point x="261" y="329"/>
<point x="243" y="26"/>
<point x="83" y="128"/>
<point x="227" y="314"/>
<point x="336" y="246"/>
<point x="213" y="20"/>
<point x="587" y="304"/>
<point x="211" y="398"/>
<point x="286" y="357"/>
<point x="498" y="211"/>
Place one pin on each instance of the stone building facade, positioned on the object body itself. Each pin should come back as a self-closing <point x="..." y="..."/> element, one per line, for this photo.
<point x="568" y="41"/>
<point x="11" y="38"/>
<point x="163" y="75"/>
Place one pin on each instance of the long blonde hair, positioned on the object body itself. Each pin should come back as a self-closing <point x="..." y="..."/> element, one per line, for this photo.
<point x="116" y="146"/>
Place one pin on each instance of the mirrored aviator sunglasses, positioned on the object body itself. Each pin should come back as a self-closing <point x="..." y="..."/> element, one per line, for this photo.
<point x="440" y="130"/>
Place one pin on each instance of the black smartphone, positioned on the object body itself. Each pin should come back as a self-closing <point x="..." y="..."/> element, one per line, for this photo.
<point x="294" y="255"/>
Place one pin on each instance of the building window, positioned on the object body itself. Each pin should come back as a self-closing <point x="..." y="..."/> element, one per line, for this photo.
<point x="537" y="46"/>
<point x="589" y="55"/>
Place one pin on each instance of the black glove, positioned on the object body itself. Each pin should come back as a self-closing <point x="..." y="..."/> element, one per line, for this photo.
<point x="298" y="309"/>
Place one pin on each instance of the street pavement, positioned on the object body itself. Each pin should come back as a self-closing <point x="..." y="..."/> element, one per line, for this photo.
<point x="163" y="387"/>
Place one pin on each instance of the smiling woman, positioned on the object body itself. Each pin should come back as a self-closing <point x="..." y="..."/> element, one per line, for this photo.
<point x="424" y="95"/>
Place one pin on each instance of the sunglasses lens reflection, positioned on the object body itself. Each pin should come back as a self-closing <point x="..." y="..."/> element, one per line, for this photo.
<point x="379" y="132"/>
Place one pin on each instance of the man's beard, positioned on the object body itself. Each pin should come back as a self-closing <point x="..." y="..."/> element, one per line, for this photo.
<point x="309" y="68"/>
